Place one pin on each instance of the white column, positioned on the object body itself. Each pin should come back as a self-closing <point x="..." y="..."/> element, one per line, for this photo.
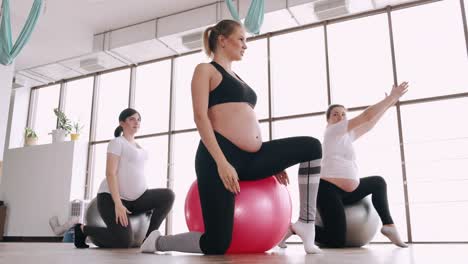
<point x="6" y="83"/>
<point x="18" y="115"/>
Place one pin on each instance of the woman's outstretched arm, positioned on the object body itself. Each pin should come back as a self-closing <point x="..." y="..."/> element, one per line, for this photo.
<point x="365" y="121"/>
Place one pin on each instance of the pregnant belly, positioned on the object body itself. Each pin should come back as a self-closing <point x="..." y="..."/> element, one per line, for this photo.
<point x="347" y="185"/>
<point x="238" y="123"/>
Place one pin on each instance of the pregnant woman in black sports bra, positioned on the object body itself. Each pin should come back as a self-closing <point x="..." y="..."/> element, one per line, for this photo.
<point x="231" y="147"/>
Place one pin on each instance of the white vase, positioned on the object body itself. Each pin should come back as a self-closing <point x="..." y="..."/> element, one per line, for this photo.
<point x="58" y="135"/>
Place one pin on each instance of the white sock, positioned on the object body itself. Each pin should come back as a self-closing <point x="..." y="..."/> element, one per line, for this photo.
<point x="56" y="227"/>
<point x="149" y="246"/>
<point x="59" y="229"/>
<point x="289" y="233"/>
<point x="307" y="233"/>
<point x="392" y="233"/>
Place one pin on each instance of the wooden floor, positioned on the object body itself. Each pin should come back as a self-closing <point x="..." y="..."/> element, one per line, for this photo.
<point x="49" y="253"/>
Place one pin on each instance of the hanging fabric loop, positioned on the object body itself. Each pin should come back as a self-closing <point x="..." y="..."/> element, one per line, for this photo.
<point x="8" y="51"/>
<point x="254" y="19"/>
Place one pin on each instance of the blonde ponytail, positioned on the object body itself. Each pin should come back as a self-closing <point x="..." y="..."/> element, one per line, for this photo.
<point x="206" y="41"/>
<point x="210" y="35"/>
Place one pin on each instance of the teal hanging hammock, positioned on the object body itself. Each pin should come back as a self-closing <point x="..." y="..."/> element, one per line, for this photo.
<point x="8" y="51"/>
<point x="254" y="19"/>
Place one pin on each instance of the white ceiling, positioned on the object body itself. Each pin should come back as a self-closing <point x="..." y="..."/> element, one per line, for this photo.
<point x="67" y="27"/>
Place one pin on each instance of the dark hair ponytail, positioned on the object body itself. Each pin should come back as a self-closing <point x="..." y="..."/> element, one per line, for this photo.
<point x="122" y="117"/>
<point x="118" y="131"/>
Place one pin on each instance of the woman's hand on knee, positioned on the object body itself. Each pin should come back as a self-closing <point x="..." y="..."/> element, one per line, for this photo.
<point x="121" y="214"/>
<point x="282" y="177"/>
<point x="229" y="177"/>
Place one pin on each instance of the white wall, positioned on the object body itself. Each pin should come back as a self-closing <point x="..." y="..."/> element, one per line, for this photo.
<point x="39" y="182"/>
<point x="6" y="81"/>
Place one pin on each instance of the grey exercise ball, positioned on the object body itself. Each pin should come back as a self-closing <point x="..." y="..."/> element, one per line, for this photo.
<point x="362" y="223"/>
<point x="139" y="224"/>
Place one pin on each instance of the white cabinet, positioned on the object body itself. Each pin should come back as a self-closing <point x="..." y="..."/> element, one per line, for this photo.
<point x="39" y="182"/>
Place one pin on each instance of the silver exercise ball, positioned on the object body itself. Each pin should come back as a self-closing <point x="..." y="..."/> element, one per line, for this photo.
<point x="139" y="224"/>
<point x="362" y="222"/>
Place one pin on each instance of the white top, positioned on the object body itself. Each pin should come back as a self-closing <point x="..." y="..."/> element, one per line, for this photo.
<point x="339" y="159"/>
<point x="130" y="172"/>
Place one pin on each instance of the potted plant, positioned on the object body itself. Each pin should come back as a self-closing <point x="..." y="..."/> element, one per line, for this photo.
<point x="64" y="126"/>
<point x="30" y="137"/>
<point x="76" y="130"/>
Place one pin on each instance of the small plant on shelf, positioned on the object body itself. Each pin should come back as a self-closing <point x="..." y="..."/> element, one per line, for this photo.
<point x="64" y="126"/>
<point x="76" y="130"/>
<point x="63" y="121"/>
<point x="30" y="137"/>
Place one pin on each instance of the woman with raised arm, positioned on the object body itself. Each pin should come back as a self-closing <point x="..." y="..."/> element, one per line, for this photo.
<point x="340" y="184"/>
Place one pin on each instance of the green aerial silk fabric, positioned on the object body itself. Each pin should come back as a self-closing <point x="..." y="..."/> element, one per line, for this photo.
<point x="8" y="51"/>
<point x="254" y="19"/>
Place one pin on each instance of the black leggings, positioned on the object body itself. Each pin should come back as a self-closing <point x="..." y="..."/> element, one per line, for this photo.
<point x="331" y="201"/>
<point x="218" y="203"/>
<point x="159" y="201"/>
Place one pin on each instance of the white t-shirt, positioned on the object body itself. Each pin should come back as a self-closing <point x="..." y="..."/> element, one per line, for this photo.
<point x="130" y="172"/>
<point x="339" y="159"/>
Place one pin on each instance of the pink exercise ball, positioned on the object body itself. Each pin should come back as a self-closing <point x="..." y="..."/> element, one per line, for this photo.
<point x="262" y="215"/>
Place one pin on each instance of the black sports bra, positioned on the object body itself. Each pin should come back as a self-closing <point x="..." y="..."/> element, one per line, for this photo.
<point x="231" y="90"/>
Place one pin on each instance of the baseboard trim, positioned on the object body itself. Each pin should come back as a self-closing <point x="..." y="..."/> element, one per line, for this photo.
<point x="31" y="239"/>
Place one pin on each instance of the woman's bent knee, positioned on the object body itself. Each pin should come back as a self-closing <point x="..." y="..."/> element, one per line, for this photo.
<point x="170" y="195"/>
<point x="380" y="182"/>
<point x="313" y="147"/>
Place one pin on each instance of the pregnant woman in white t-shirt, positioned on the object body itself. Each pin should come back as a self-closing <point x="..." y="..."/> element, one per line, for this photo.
<point x="124" y="191"/>
<point x="340" y="184"/>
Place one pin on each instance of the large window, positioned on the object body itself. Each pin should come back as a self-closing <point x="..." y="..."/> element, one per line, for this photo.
<point x="78" y="101"/>
<point x="113" y="98"/>
<point x="185" y="147"/>
<point x="253" y="69"/>
<point x="298" y="72"/>
<point x="436" y="148"/>
<point x="184" y="67"/>
<point x="431" y="53"/>
<point x="156" y="166"/>
<point x="465" y="3"/>
<point x="360" y="61"/>
<point x="153" y="83"/>
<point x="99" y="168"/>
<point x="378" y="153"/>
<point x="45" y="121"/>
<point x="265" y="130"/>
